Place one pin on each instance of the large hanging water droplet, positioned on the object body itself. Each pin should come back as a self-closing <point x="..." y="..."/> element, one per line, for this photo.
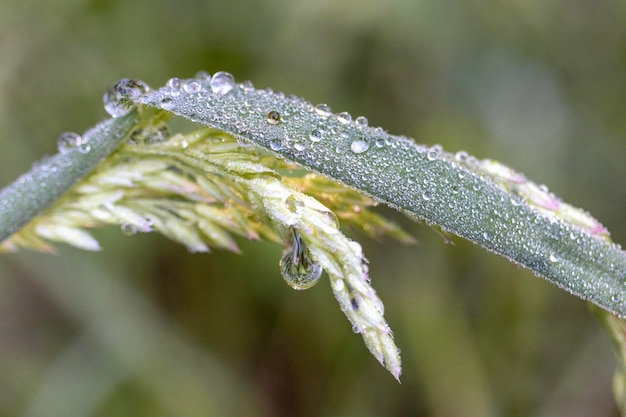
<point x="222" y="82"/>
<point x="359" y="146"/>
<point x="299" y="269"/>
<point x="68" y="141"/>
<point x="118" y="99"/>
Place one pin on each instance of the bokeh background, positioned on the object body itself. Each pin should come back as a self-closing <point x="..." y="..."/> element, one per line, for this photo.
<point x="146" y="329"/>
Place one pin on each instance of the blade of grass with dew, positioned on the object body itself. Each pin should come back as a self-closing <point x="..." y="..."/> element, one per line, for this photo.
<point x="482" y="201"/>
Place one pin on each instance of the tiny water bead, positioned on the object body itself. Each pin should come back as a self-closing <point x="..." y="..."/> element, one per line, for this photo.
<point x="323" y="109"/>
<point x="192" y="86"/>
<point x="149" y="135"/>
<point x="222" y="82"/>
<point x="273" y="117"/>
<point x="315" y="136"/>
<point x="68" y="141"/>
<point x="298" y="268"/>
<point x="175" y="85"/>
<point x="361" y="121"/>
<point x="247" y="86"/>
<point x="344" y="117"/>
<point x="203" y="76"/>
<point x="118" y="99"/>
<point x="276" y="144"/>
<point x="359" y="146"/>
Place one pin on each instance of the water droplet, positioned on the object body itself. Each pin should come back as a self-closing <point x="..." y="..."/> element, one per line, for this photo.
<point x="427" y="195"/>
<point x="315" y="136"/>
<point x="167" y="103"/>
<point x="247" y="86"/>
<point x="380" y="142"/>
<point x="192" y="86"/>
<point x="323" y="109"/>
<point x="298" y="146"/>
<point x="129" y="229"/>
<point x="175" y="86"/>
<point x="203" y="76"/>
<point x="356" y="329"/>
<point x="432" y="155"/>
<point x="553" y="258"/>
<point x="222" y="82"/>
<point x="517" y="200"/>
<point x="344" y="117"/>
<point x="68" y="141"/>
<point x="273" y="117"/>
<point x="84" y="148"/>
<point x="293" y="204"/>
<point x="359" y="146"/>
<point x="149" y="135"/>
<point x="361" y="121"/>
<point x="487" y="235"/>
<point x="461" y="156"/>
<point x="276" y="144"/>
<point x="299" y="269"/>
<point x="118" y="99"/>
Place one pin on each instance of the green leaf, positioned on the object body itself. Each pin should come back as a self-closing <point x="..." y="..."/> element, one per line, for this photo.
<point x="37" y="189"/>
<point x="482" y="201"/>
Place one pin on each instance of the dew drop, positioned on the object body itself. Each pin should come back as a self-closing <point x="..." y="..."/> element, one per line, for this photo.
<point x="315" y="136"/>
<point x="487" y="235"/>
<point x="432" y="155"/>
<point x="276" y="144"/>
<point x="167" y="103"/>
<point x="297" y="266"/>
<point x="427" y="195"/>
<point x="344" y="117"/>
<point x="273" y="117"/>
<point x="361" y="121"/>
<point x="517" y="200"/>
<point x="359" y="146"/>
<point x="129" y="229"/>
<point x="380" y="143"/>
<point x="118" y="99"/>
<point x="203" y="76"/>
<point x="222" y="82"/>
<point x="553" y="258"/>
<point x="247" y="86"/>
<point x="298" y="147"/>
<point x="293" y="204"/>
<point x="84" y="148"/>
<point x="192" y="87"/>
<point x="323" y="109"/>
<point x="68" y="141"/>
<point x="174" y="85"/>
<point x="461" y="156"/>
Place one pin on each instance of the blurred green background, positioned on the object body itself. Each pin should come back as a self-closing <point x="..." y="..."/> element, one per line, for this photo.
<point x="146" y="329"/>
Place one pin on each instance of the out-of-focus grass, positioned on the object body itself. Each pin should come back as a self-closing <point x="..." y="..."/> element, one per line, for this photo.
<point x="145" y="328"/>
